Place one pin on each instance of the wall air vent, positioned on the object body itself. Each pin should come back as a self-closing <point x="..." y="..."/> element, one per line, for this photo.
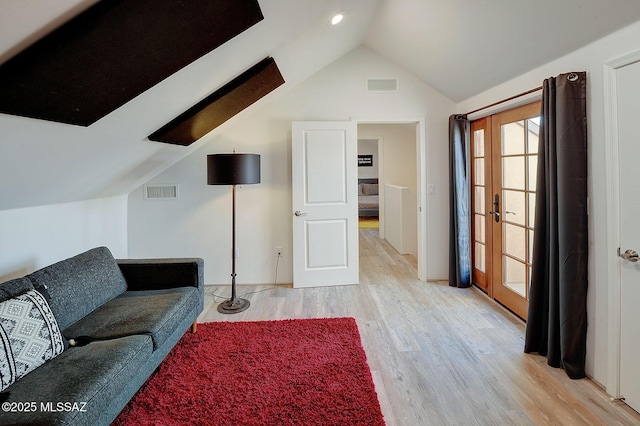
<point x="382" y="84"/>
<point x="160" y="192"/>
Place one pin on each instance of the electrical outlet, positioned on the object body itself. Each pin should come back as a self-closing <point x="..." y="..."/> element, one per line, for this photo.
<point x="278" y="251"/>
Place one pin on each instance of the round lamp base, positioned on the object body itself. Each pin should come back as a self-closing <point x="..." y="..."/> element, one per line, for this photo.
<point x="233" y="306"/>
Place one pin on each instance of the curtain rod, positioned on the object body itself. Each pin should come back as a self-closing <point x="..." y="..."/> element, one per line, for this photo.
<point x="505" y="100"/>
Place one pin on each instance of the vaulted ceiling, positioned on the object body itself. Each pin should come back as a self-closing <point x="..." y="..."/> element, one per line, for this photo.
<point x="463" y="47"/>
<point x="459" y="47"/>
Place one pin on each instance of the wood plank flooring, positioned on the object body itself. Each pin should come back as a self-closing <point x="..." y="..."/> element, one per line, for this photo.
<point x="438" y="355"/>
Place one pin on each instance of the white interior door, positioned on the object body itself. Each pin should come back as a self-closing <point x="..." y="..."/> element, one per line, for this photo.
<point x="628" y="93"/>
<point x="325" y="203"/>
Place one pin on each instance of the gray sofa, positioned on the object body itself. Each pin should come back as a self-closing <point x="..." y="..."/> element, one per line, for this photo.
<point x="133" y="313"/>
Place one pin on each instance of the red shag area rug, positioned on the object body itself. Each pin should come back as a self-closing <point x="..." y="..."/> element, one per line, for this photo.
<point x="290" y="372"/>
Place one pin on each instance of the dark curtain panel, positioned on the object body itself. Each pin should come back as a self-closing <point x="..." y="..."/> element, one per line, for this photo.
<point x="459" y="203"/>
<point x="557" y="319"/>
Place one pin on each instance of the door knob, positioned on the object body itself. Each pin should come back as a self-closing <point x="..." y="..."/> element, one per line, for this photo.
<point x="299" y="213"/>
<point x="630" y="255"/>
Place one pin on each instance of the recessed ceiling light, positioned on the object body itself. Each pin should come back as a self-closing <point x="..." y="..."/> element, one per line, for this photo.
<point x="335" y="20"/>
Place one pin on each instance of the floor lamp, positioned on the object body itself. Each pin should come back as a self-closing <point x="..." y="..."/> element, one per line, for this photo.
<point x="233" y="169"/>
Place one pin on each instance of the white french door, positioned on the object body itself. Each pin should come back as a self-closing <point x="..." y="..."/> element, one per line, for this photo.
<point x="325" y="203"/>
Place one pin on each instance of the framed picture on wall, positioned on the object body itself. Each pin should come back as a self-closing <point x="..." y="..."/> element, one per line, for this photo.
<point x="365" y="160"/>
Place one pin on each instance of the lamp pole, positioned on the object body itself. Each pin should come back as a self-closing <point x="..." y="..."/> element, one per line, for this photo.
<point x="235" y="304"/>
<point x="233" y="243"/>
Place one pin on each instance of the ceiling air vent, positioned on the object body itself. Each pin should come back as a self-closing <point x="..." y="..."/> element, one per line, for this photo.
<point x="160" y="192"/>
<point x="382" y="84"/>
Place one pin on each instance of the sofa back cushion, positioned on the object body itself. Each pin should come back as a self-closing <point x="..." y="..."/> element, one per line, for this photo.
<point x="13" y="288"/>
<point x="80" y="284"/>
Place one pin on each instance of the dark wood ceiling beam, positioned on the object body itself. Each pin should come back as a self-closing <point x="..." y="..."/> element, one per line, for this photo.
<point x="221" y="105"/>
<point x="113" y="52"/>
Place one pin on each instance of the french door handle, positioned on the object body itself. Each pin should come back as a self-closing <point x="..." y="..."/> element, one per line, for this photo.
<point x="496" y="208"/>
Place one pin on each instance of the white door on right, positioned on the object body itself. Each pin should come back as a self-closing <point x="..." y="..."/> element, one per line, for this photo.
<point x="628" y="94"/>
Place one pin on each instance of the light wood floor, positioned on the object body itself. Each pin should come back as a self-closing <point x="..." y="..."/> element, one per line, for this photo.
<point x="438" y="355"/>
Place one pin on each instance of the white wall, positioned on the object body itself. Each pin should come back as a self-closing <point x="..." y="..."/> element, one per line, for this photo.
<point x="591" y="59"/>
<point x="399" y="152"/>
<point x="401" y="219"/>
<point x="368" y="147"/>
<point x="199" y="223"/>
<point x="35" y="237"/>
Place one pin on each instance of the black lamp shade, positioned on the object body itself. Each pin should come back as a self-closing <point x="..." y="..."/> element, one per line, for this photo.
<point x="233" y="169"/>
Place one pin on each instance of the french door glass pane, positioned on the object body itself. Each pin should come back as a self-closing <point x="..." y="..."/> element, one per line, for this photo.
<point x="480" y="230"/>
<point x="530" y="254"/>
<point x="480" y="257"/>
<point x="479" y="200"/>
<point x="532" y="172"/>
<point x="513" y="172"/>
<point x="514" y="243"/>
<point x="513" y="138"/>
<point x="478" y="171"/>
<point x="478" y="143"/>
<point x="531" y="209"/>
<point x="513" y="207"/>
<point x="514" y="273"/>
<point x="533" y="126"/>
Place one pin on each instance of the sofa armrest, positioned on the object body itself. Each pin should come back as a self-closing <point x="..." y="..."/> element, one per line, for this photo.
<point x="156" y="274"/>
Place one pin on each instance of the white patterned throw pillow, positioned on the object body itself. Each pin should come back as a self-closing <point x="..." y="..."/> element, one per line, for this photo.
<point x="29" y="336"/>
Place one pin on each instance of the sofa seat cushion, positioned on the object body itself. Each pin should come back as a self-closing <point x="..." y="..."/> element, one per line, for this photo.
<point x="89" y="376"/>
<point x="80" y="284"/>
<point x="152" y="312"/>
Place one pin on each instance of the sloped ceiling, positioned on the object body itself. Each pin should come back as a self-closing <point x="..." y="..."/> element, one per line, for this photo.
<point x="44" y="162"/>
<point x="460" y="47"/>
<point x="463" y="47"/>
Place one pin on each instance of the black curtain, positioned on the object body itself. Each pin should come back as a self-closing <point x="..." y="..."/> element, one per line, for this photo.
<point x="557" y="318"/>
<point x="459" y="203"/>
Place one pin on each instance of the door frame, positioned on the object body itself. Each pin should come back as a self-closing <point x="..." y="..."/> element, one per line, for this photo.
<point x="612" y="181"/>
<point x="421" y="166"/>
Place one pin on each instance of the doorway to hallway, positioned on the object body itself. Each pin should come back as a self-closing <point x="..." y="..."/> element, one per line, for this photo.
<point x="397" y="148"/>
